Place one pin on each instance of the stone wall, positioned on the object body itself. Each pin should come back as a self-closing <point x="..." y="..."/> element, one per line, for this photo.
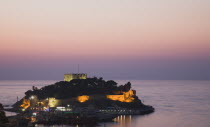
<point x="69" y="77"/>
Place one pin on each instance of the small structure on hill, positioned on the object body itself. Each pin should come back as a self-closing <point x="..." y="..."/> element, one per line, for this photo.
<point x="69" y="77"/>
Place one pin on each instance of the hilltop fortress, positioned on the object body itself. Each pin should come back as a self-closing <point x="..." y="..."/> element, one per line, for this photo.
<point x="69" y="77"/>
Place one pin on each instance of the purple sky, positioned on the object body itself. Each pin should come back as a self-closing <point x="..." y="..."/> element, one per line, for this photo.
<point x="137" y="39"/>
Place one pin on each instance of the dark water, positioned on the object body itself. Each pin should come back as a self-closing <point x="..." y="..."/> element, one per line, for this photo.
<point x="177" y="103"/>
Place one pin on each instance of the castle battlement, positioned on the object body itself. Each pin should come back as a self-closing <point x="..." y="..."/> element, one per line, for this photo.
<point x="69" y="77"/>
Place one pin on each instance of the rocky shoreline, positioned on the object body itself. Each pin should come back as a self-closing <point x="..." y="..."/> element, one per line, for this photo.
<point x="90" y="118"/>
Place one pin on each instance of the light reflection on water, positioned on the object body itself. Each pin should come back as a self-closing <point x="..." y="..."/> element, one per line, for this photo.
<point x="123" y="121"/>
<point x="177" y="103"/>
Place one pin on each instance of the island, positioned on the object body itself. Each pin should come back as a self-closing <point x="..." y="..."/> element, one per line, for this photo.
<point x="80" y="100"/>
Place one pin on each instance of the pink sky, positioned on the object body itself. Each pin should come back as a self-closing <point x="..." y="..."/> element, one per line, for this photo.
<point x="114" y="32"/>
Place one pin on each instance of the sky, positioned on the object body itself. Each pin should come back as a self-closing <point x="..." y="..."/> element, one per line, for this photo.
<point x="114" y="39"/>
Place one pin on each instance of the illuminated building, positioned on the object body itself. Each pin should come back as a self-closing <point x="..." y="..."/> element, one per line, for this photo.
<point x="126" y="97"/>
<point x="43" y="104"/>
<point x="82" y="98"/>
<point x="25" y="104"/>
<point x="52" y="102"/>
<point x="69" y="77"/>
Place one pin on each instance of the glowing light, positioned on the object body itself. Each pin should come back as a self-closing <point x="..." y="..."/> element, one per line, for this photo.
<point x="69" y="77"/>
<point x="32" y="97"/>
<point x="33" y="119"/>
<point x="61" y="108"/>
<point x="126" y="97"/>
<point x="52" y="102"/>
<point x="83" y="98"/>
<point x="26" y="104"/>
<point x="34" y="114"/>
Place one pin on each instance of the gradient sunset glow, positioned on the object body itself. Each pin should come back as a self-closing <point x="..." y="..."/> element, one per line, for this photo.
<point x="115" y="39"/>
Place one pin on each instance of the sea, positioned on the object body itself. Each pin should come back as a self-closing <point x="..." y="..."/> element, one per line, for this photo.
<point x="177" y="103"/>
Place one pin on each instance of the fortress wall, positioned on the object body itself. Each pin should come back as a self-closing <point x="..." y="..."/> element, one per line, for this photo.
<point x="69" y="77"/>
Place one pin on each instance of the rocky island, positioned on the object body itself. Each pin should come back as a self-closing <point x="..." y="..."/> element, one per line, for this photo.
<point x="80" y="100"/>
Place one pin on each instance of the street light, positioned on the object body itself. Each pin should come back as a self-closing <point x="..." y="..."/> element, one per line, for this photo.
<point x="32" y="97"/>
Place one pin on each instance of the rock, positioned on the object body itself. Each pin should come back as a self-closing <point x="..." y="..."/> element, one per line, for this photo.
<point x="127" y="86"/>
<point x="3" y="118"/>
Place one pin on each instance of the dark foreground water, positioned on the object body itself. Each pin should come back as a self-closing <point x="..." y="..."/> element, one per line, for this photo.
<point x="177" y="103"/>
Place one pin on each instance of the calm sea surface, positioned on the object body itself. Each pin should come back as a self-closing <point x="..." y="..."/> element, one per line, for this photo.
<point x="177" y="103"/>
